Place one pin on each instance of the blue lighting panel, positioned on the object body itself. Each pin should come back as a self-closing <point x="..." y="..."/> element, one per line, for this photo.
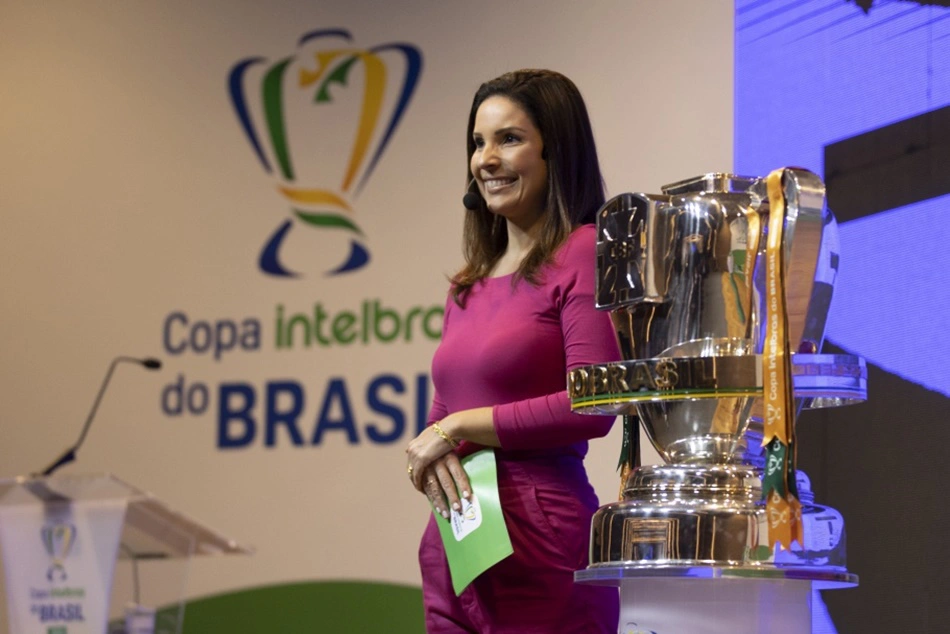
<point x="892" y="298"/>
<point x="814" y="73"/>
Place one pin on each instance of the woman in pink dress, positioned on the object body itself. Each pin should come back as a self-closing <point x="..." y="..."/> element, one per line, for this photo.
<point x="519" y="316"/>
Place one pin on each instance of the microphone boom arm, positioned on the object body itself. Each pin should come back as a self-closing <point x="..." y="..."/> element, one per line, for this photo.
<point x="70" y="454"/>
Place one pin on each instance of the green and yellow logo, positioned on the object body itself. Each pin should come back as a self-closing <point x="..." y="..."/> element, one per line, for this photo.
<point x="319" y="121"/>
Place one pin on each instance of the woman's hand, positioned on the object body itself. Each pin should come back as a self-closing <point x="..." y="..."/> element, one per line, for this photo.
<point x="445" y="483"/>
<point x="423" y="450"/>
<point x="434" y="469"/>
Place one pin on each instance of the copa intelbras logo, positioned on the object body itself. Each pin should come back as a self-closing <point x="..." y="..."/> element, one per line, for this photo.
<point x="57" y="604"/>
<point x="58" y="540"/>
<point x="319" y="121"/>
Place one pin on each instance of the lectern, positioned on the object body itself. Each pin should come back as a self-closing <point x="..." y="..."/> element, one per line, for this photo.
<point x="60" y="537"/>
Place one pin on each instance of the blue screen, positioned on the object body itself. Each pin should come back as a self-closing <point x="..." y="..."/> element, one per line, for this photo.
<point x="865" y="87"/>
<point x="814" y="73"/>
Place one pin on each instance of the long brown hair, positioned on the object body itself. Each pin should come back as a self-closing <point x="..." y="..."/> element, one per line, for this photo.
<point x="575" y="186"/>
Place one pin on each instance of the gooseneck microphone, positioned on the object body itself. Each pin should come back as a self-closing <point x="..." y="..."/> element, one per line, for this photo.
<point x="471" y="198"/>
<point x="70" y="454"/>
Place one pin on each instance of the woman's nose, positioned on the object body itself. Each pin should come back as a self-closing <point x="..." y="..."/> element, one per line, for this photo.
<point x="488" y="157"/>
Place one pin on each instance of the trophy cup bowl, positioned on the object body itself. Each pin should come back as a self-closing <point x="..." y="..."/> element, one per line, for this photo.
<point x="682" y="274"/>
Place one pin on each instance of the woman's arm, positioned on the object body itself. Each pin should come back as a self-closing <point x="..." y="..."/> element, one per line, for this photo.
<point x="547" y="421"/>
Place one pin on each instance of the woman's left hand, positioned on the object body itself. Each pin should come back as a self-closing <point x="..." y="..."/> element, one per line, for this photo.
<point x="446" y="483"/>
<point x="423" y="450"/>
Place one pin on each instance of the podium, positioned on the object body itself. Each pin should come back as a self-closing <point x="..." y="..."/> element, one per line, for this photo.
<point x="60" y="538"/>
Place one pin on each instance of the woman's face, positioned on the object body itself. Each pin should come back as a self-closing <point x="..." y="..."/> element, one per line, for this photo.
<point x="507" y="165"/>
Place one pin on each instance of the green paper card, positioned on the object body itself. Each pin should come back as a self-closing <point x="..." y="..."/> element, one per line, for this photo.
<point x="476" y="539"/>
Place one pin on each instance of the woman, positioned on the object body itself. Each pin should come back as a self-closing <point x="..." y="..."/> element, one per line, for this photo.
<point x="520" y="315"/>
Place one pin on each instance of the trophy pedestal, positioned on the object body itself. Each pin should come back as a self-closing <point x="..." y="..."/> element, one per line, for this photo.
<point x="712" y="600"/>
<point x="738" y="606"/>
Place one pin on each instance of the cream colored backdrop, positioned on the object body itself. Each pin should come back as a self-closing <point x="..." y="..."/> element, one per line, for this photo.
<point x="128" y="192"/>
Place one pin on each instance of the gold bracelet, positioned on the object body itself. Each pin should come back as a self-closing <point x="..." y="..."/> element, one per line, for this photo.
<point x="452" y="442"/>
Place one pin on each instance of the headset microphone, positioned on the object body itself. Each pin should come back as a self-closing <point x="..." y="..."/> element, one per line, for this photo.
<point x="471" y="199"/>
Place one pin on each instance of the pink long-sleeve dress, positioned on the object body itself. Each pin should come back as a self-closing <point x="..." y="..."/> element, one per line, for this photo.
<point x="510" y="348"/>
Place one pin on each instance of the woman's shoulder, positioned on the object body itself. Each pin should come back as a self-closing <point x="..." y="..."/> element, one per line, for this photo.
<point x="580" y="247"/>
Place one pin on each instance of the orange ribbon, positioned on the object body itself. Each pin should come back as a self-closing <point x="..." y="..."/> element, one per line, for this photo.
<point x="783" y="508"/>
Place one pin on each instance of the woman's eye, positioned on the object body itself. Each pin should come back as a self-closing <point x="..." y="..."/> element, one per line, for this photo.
<point x="479" y="143"/>
<point x="510" y="138"/>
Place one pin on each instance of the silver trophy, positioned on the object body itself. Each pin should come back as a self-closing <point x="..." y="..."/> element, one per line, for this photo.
<point x="682" y="274"/>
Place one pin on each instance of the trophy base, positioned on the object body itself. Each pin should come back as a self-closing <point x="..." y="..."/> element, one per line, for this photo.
<point x="622" y="574"/>
<point x="688" y="547"/>
<point x="702" y="521"/>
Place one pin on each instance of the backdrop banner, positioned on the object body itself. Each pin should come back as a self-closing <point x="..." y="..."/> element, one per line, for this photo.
<point x="267" y="197"/>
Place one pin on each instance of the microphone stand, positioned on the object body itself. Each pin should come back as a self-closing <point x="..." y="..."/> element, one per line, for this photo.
<point x="70" y="454"/>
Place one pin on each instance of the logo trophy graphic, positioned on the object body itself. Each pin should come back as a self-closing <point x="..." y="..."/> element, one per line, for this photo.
<point x="332" y="106"/>
<point x="718" y="290"/>
<point x="58" y="541"/>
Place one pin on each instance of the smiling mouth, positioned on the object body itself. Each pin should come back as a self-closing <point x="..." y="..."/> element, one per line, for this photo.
<point x="494" y="184"/>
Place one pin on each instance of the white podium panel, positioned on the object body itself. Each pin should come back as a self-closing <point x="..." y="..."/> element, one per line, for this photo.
<point x="60" y="537"/>
<point x="715" y="606"/>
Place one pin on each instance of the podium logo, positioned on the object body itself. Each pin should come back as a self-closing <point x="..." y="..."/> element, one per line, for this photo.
<point x="319" y="122"/>
<point x="58" y="540"/>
